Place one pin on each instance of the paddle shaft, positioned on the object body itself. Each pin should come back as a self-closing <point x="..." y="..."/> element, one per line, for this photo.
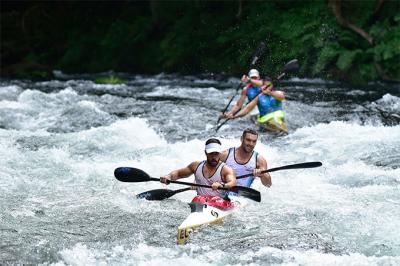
<point x="131" y="174"/>
<point x="229" y="103"/>
<point x="286" y="167"/>
<point x="182" y="190"/>
<point x="160" y="194"/>
<point x="260" y="51"/>
<point x="242" y="191"/>
<point x="186" y="183"/>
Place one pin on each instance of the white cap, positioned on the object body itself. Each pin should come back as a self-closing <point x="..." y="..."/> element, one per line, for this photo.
<point x="254" y="73"/>
<point x="213" y="147"/>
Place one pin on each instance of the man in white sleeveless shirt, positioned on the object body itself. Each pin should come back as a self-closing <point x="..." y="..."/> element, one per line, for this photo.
<point x="212" y="172"/>
<point x="244" y="160"/>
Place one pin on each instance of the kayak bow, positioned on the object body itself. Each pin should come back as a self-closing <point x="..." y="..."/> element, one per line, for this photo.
<point x="207" y="210"/>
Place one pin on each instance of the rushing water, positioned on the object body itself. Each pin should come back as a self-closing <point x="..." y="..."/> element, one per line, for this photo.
<point x="61" y="140"/>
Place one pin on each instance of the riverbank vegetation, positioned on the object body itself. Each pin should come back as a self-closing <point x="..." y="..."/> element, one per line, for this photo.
<point x="352" y="41"/>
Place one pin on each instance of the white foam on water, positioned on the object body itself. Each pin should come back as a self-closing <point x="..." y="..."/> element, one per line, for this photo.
<point x="388" y="102"/>
<point x="141" y="255"/>
<point x="305" y="80"/>
<point x="204" y="94"/>
<point x="311" y="257"/>
<point x="109" y="86"/>
<point x="12" y="105"/>
<point x="9" y="92"/>
<point x="351" y="203"/>
<point x="144" y="254"/>
<point x="341" y="141"/>
<point x="351" y="196"/>
<point x="63" y="110"/>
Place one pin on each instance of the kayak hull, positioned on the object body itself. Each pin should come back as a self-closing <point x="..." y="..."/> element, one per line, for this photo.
<point x="271" y="125"/>
<point x="203" y="213"/>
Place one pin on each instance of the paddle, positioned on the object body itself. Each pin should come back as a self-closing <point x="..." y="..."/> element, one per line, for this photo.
<point x="130" y="174"/>
<point x="160" y="194"/>
<point x="256" y="55"/>
<point x="287" y="167"/>
<point x="290" y="66"/>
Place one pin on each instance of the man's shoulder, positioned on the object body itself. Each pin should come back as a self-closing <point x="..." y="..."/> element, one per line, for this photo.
<point x="260" y="157"/>
<point x="194" y="164"/>
<point x="226" y="168"/>
<point x="225" y="152"/>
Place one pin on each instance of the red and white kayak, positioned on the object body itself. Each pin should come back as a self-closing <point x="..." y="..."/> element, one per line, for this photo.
<point x="208" y="210"/>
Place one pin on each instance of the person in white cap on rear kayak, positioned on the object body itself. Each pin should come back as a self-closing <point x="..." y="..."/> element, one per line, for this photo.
<point x="269" y="102"/>
<point x="250" y="91"/>
<point x="212" y="172"/>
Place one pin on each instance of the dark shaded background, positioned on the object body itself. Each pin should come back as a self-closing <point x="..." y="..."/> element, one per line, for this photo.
<point x="356" y="41"/>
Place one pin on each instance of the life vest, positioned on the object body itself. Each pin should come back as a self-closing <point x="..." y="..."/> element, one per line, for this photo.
<point x="268" y="104"/>
<point x="242" y="169"/>
<point x="251" y="92"/>
<point x="270" y="108"/>
<point x="202" y="180"/>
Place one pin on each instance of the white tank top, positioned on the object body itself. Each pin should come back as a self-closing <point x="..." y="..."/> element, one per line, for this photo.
<point x="242" y="169"/>
<point x="202" y="180"/>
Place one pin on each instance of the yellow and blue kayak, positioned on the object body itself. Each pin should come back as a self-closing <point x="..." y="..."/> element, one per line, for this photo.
<point x="273" y="122"/>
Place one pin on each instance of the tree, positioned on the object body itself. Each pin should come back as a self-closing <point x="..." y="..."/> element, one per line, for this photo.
<point x="336" y="6"/>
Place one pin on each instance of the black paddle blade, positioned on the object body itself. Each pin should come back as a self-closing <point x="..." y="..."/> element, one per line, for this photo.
<point x="160" y="194"/>
<point x="247" y="193"/>
<point x="292" y="66"/>
<point x="258" y="53"/>
<point x="156" y="194"/>
<point x="130" y="174"/>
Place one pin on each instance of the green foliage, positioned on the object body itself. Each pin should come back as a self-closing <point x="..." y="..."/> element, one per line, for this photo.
<point x="387" y="47"/>
<point x="327" y="55"/>
<point x="203" y="36"/>
<point x="347" y="58"/>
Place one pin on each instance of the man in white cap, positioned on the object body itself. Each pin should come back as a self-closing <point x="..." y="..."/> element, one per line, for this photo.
<point x="212" y="172"/>
<point x="250" y="91"/>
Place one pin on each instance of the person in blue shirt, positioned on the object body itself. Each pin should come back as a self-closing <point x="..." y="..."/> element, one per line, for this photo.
<point x="250" y="91"/>
<point x="269" y="103"/>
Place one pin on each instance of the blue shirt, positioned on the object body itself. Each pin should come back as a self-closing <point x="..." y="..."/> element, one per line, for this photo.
<point x="268" y="104"/>
<point x="252" y="92"/>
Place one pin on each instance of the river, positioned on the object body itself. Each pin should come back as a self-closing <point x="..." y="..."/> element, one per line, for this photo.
<point x="61" y="140"/>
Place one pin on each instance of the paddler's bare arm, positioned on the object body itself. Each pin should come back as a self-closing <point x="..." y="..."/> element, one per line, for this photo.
<point x="228" y="178"/>
<point x="266" y="179"/>
<point x="237" y="106"/>
<point x="180" y="173"/>
<point x="247" y="109"/>
<point x="256" y="82"/>
<point x="279" y="95"/>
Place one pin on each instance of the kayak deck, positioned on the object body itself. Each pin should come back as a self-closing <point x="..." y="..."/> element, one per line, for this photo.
<point x="204" y="213"/>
